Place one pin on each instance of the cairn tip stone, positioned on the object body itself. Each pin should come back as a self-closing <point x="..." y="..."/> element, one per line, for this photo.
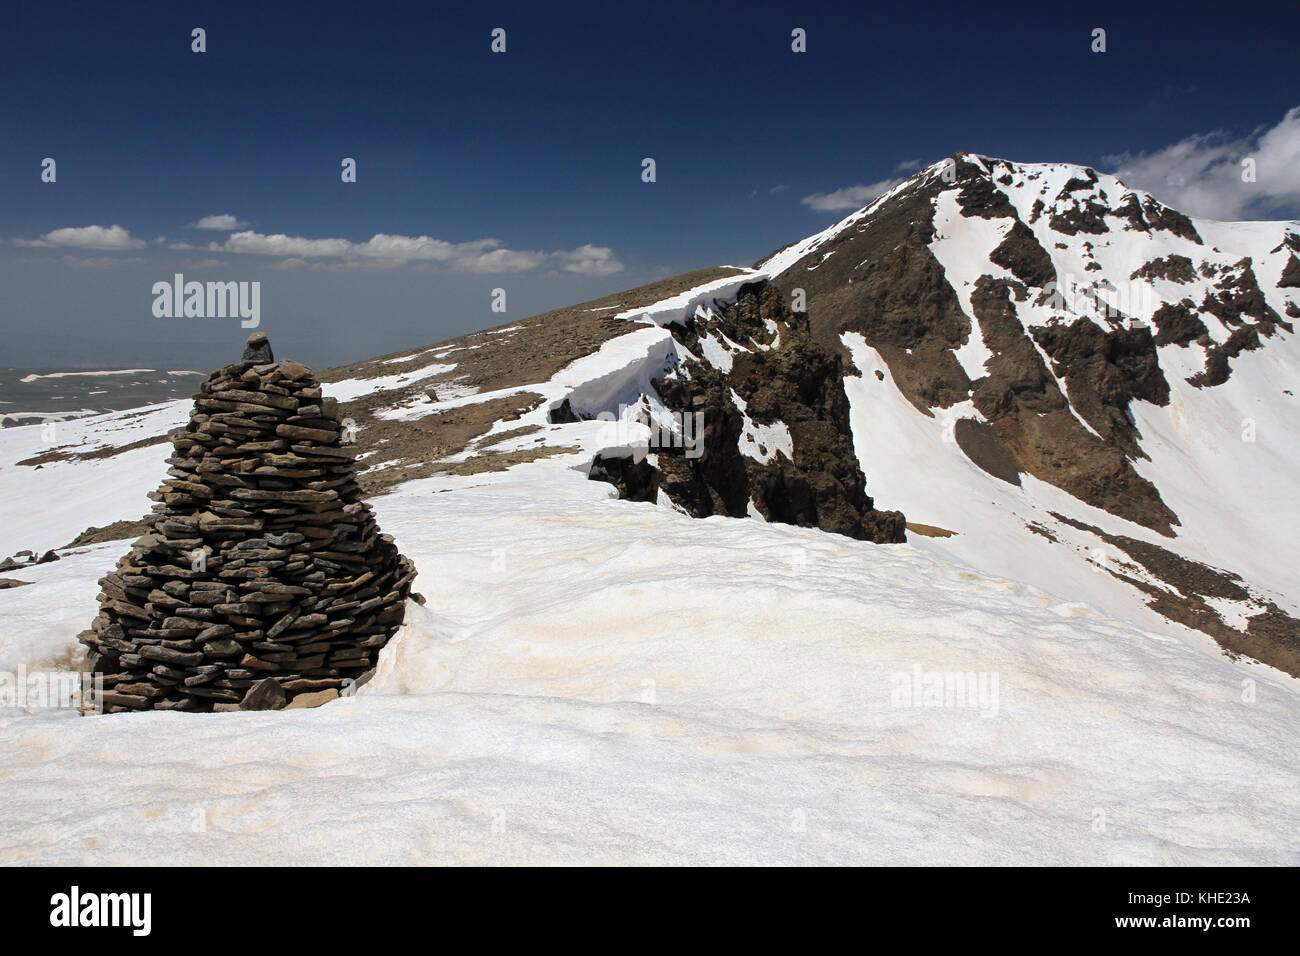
<point x="263" y="577"/>
<point x="257" y="351"/>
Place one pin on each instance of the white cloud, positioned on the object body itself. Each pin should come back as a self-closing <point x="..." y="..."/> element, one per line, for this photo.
<point x="1201" y="175"/>
<point x="588" y="260"/>
<point x="337" y="265"/>
<point x="480" y="255"/>
<point x="850" y="197"/>
<point x="908" y="165"/>
<point x="256" y="243"/>
<point x="224" y="222"/>
<point x="106" y="238"/>
<point x="380" y="251"/>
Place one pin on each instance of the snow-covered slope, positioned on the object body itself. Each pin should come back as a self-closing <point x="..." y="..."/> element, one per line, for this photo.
<point x="602" y="682"/>
<point x="599" y="680"/>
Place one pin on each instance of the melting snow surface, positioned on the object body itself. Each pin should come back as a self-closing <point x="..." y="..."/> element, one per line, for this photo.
<point x="116" y="371"/>
<point x="595" y="681"/>
<point x="353" y="388"/>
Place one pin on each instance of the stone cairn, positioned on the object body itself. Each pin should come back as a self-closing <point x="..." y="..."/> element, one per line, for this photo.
<point x="264" y="581"/>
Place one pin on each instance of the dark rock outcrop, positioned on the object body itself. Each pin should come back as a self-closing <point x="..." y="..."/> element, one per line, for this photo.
<point x="1033" y="421"/>
<point x="1161" y="218"/>
<point x="1240" y="306"/>
<point x="1290" y="274"/>
<point x="784" y="379"/>
<point x="1174" y="268"/>
<point x="1104" y="370"/>
<point x="1178" y="324"/>
<point x="1022" y="256"/>
<point x="1183" y="589"/>
<point x="1218" y="358"/>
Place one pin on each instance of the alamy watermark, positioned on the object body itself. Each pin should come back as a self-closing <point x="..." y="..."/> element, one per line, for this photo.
<point x="208" y="300"/>
<point x="668" y="432"/>
<point x="52" y="690"/>
<point x="971" y="690"/>
<point x="130" y="910"/>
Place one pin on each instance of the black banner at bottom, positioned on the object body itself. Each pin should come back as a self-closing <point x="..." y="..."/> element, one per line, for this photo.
<point x="142" y="906"/>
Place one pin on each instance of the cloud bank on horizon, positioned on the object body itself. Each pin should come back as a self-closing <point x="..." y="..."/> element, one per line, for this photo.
<point x="380" y="250"/>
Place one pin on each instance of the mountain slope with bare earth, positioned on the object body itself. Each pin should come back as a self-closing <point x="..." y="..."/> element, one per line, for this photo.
<point x="1038" y="371"/>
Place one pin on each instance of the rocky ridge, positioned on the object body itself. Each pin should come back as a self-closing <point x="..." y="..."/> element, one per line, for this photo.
<point x="774" y="434"/>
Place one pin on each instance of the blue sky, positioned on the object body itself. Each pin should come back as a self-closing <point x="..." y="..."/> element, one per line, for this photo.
<point x="540" y="148"/>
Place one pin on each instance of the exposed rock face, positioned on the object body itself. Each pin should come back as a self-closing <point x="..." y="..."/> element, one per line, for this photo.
<point x="1105" y="369"/>
<point x="264" y="575"/>
<point x="1008" y="303"/>
<point x="1022" y="256"/>
<point x="1174" y="268"/>
<point x="1290" y="274"/>
<point x="1031" y="416"/>
<point x="1238" y="303"/>
<point x="883" y="281"/>
<point x="776" y="438"/>
<point x="1183" y="589"/>
<point x="1177" y="324"/>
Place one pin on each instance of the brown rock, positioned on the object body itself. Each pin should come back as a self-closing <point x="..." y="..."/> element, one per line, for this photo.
<point x="300" y="433"/>
<point x="313" y="698"/>
<point x="249" y="662"/>
<point x="266" y="694"/>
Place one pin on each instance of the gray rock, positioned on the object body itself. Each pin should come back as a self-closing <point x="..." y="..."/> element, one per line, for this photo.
<point x="223" y="647"/>
<point x="166" y="655"/>
<point x="258" y="349"/>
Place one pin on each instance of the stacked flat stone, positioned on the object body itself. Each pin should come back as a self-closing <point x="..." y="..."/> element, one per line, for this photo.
<point x="264" y="578"/>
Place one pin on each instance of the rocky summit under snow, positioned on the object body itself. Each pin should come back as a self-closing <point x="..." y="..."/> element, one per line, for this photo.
<point x="960" y="532"/>
<point x="1052" y="361"/>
